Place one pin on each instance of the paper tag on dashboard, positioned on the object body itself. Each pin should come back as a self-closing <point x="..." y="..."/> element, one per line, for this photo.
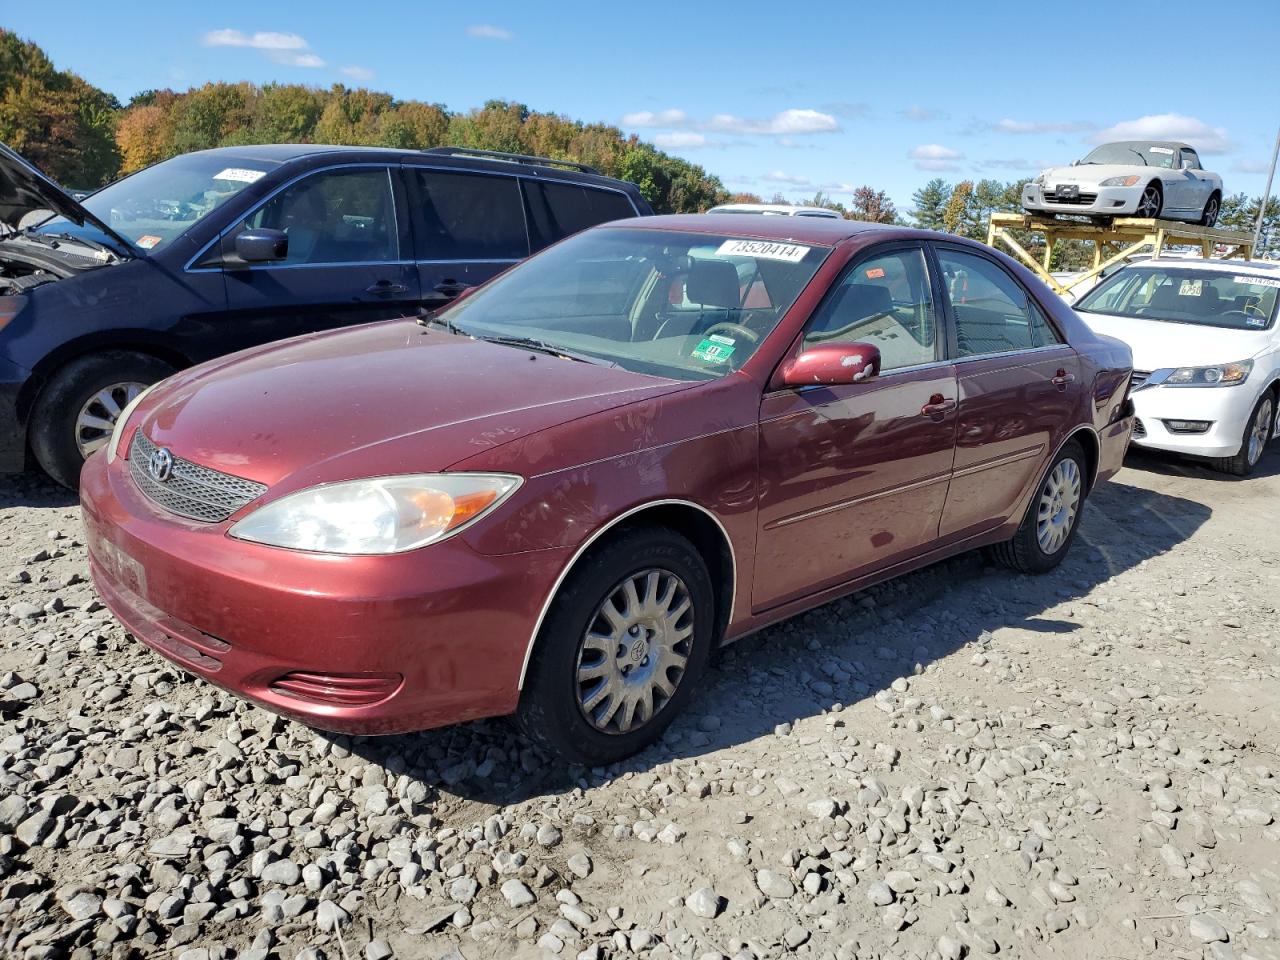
<point x="240" y="174"/>
<point x="1257" y="281"/>
<point x="763" y="250"/>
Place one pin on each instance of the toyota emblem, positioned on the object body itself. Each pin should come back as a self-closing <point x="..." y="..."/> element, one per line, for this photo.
<point x="160" y="465"/>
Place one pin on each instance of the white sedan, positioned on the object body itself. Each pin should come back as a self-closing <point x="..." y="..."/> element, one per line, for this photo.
<point x="1133" y="178"/>
<point x="1206" y="354"/>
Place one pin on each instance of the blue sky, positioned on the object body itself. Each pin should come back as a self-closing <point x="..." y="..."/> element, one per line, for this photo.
<point x="828" y="95"/>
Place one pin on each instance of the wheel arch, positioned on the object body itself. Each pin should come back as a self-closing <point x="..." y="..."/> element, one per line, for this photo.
<point x="692" y="520"/>
<point x="1087" y="437"/>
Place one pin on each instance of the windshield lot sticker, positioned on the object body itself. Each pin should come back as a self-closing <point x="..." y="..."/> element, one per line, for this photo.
<point x="1257" y="281"/>
<point x="714" y="349"/>
<point x="1159" y="150"/>
<point x="763" y="250"/>
<point x="240" y="174"/>
<point x="1255" y="321"/>
<point x="1190" y="288"/>
<point x="875" y="273"/>
<point x="148" y="241"/>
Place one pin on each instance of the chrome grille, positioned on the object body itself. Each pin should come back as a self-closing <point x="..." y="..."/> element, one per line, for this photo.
<point x="191" y="491"/>
<point x="1138" y="378"/>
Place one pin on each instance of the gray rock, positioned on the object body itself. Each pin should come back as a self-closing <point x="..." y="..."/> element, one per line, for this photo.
<point x="517" y="894"/>
<point x="704" y="902"/>
<point x="1206" y="929"/>
<point x="774" y="885"/>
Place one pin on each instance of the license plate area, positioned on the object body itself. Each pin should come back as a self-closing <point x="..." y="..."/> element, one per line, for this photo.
<point x="1067" y="191"/>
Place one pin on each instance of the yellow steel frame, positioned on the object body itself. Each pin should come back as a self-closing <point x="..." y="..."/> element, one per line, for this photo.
<point x="1113" y="242"/>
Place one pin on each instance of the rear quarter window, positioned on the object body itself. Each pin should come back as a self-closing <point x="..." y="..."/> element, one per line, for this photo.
<point x="558" y="210"/>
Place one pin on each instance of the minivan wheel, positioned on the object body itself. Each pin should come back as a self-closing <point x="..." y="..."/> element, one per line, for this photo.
<point x="1257" y="434"/>
<point x="78" y="408"/>
<point x="621" y="650"/>
<point x="1052" y="518"/>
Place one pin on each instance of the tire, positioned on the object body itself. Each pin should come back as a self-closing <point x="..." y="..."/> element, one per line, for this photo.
<point x="79" y="404"/>
<point x="1033" y="549"/>
<point x="1212" y="207"/>
<point x="1151" y="203"/>
<point x="553" y="711"/>
<point x="1253" y="443"/>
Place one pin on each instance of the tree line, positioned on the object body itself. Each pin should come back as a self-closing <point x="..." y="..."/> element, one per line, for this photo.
<point x="84" y="137"/>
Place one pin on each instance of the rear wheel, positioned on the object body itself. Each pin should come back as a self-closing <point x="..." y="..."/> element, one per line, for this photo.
<point x="1151" y="202"/>
<point x="1212" y="208"/>
<point x="622" y="649"/>
<point x="1052" y="518"/>
<point x="78" y="408"/>
<point x="1257" y="433"/>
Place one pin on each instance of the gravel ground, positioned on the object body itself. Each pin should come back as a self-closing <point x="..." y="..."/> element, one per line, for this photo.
<point x="960" y="763"/>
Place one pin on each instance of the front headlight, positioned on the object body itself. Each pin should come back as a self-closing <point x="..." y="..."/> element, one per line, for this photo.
<point x="1119" y="182"/>
<point x="122" y="421"/>
<point x="1221" y="375"/>
<point x="379" y="515"/>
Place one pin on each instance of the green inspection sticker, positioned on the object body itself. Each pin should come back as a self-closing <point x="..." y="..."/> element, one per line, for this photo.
<point x="714" y="349"/>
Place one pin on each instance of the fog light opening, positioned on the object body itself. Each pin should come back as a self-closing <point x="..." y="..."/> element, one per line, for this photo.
<point x="1188" y="426"/>
<point x="338" y="689"/>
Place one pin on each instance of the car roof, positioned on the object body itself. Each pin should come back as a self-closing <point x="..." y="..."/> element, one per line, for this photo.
<point x="1172" y="144"/>
<point x="784" y="209"/>
<point x="1266" y="268"/>
<point x="819" y="230"/>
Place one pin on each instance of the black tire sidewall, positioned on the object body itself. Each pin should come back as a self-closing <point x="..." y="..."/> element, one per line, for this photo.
<point x="549" y="711"/>
<point x="1239" y="465"/>
<point x="53" y="420"/>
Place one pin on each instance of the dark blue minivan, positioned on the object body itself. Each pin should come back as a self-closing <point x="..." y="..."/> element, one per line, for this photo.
<point x="215" y="251"/>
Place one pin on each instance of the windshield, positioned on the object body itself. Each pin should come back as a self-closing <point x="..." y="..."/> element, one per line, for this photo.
<point x="154" y="206"/>
<point x="1131" y="154"/>
<point x="1209" y="298"/>
<point x="680" y="305"/>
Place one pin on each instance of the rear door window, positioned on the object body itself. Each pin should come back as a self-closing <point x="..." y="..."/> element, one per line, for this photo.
<point x="557" y="210"/>
<point x="468" y="216"/>
<point x="992" y="313"/>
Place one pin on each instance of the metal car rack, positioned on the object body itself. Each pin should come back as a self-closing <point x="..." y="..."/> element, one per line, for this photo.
<point x="511" y="158"/>
<point x="1113" y="242"/>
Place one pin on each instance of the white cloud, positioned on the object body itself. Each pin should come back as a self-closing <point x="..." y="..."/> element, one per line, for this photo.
<point x="788" y="122"/>
<point x="681" y="139"/>
<point x="487" y="31"/>
<point x="934" y="156"/>
<point x="358" y="73"/>
<point x="1042" y="126"/>
<point x="284" y="48"/>
<point x="1251" y="166"/>
<point x="919" y="114"/>
<point x="1169" y="126"/>
<point x="779" y="176"/>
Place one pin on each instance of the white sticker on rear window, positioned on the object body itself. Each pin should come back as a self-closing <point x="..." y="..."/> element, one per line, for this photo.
<point x="1159" y="150"/>
<point x="763" y="250"/>
<point x="240" y="174"/>
<point x="1257" y="281"/>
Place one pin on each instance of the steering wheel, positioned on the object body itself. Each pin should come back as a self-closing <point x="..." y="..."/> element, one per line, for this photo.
<point x="1242" y="314"/>
<point x="1256" y="309"/>
<point x="726" y="327"/>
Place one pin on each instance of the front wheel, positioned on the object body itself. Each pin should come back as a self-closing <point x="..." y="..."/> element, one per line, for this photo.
<point x="1257" y="433"/>
<point x="78" y="408"/>
<point x="1052" y="518"/>
<point x="1150" y="203"/>
<point x="621" y="651"/>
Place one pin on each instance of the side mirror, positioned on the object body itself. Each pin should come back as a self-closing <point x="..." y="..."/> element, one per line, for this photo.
<point x="262" y="245"/>
<point x="832" y="364"/>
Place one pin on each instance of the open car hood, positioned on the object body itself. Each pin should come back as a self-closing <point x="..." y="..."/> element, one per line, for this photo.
<point x="23" y="188"/>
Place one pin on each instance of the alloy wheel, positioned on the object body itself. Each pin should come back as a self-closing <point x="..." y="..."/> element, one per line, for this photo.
<point x="1149" y="205"/>
<point x="635" y="651"/>
<point x="1211" y="212"/>
<point x="98" y="416"/>
<point x="1260" y="431"/>
<point x="1059" y="505"/>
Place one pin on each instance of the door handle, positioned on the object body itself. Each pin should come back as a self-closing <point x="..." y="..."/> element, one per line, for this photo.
<point x="386" y="288"/>
<point x="450" y="288"/>
<point x="937" y="407"/>
<point x="1062" y="378"/>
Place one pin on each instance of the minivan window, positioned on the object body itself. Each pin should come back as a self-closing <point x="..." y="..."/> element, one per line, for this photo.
<point x="993" y="314"/>
<point x="335" y="216"/>
<point x="154" y="206"/>
<point x="469" y="216"/>
<point x="557" y="210"/>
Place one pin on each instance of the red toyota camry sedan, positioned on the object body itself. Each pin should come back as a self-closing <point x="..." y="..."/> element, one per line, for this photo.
<point x="556" y="497"/>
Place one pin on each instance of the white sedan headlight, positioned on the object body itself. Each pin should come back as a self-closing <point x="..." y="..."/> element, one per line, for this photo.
<point x="1219" y="375"/>
<point x="122" y="421"/>
<point x="379" y="515"/>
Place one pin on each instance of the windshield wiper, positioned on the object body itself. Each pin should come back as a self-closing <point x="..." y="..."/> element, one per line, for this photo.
<point x="55" y="241"/>
<point x="541" y="346"/>
<point x="430" y="319"/>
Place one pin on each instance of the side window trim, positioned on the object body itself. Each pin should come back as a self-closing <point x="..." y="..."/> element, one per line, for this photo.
<point x="953" y="346"/>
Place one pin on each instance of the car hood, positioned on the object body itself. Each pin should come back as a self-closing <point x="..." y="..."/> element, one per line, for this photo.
<point x="23" y="189"/>
<point x="385" y="399"/>
<point x="1157" y="344"/>
<point x="1094" y="172"/>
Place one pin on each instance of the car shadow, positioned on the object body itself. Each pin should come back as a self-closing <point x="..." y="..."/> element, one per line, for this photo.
<point x="1177" y="465"/>
<point x="837" y="654"/>
<point x="34" y="489"/>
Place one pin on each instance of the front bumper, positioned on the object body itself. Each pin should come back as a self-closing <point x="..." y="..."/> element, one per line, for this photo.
<point x="1092" y="202"/>
<point x="1227" y="409"/>
<point x="451" y="623"/>
<point x="13" y="434"/>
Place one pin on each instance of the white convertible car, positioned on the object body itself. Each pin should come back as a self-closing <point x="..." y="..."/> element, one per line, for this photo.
<point x="1132" y="178"/>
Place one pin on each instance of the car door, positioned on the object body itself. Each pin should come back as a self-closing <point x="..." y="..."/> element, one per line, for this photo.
<point x="345" y="263"/>
<point x="468" y="227"/>
<point x="853" y="478"/>
<point x="1018" y="383"/>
